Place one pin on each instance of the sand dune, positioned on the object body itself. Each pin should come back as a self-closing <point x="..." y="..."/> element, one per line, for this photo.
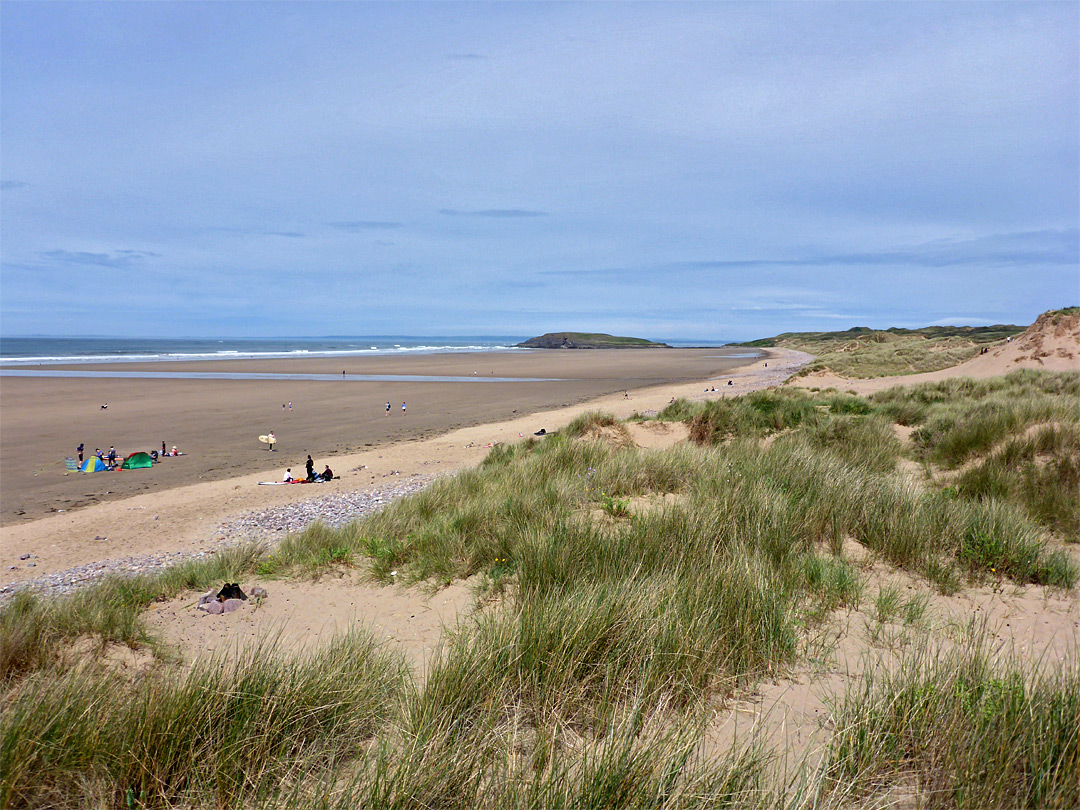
<point x="1051" y="343"/>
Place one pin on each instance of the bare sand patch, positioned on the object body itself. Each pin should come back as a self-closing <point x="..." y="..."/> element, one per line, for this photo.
<point x="298" y="614"/>
<point x="656" y="435"/>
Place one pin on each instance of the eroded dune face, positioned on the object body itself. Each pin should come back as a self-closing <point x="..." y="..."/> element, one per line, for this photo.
<point x="1052" y="342"/>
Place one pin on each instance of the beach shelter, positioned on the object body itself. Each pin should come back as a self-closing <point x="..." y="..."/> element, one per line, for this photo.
<point x="93" y="464"/>
<point x="137" y="461"/>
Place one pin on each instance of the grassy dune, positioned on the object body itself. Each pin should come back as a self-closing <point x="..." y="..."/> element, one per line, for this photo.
<point x="862" y="352"/>
<point x="626" y="594"/>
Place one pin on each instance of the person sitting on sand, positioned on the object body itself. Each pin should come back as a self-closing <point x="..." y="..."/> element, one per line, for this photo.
<point x="327" y="474"/>
<point x="288" y="479"/>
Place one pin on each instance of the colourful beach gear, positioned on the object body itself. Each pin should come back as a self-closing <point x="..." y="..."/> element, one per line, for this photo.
<point x="93" y="464"/>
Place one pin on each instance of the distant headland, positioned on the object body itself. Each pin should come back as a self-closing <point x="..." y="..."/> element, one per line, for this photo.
<point x="588" y="340"/>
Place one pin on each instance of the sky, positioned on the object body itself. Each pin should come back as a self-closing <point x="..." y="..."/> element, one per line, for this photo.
<point x="661" y="170"/>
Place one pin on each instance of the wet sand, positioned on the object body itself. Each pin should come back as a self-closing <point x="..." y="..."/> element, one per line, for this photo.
<point x="216" y="423"/>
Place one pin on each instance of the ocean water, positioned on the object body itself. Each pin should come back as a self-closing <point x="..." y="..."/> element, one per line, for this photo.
<point x="34" y="351"/>
<point x="25" y="351"/>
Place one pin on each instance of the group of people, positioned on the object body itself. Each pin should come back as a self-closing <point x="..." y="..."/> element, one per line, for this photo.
<point x="312" y="476"/>
<point x="110" y="458"/>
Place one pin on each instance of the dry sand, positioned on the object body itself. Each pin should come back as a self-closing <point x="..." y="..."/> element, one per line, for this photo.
<point x="216" y="423"/>
<point x="179" y="513"/>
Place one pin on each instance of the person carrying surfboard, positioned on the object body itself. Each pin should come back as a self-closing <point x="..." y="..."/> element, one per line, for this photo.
<point x="270" y="439"/>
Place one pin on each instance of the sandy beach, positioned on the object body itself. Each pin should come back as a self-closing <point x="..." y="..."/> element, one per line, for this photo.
<point x="72" y="519"/>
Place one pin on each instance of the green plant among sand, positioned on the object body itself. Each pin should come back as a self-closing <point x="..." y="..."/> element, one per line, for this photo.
<point x="628" y="596"/>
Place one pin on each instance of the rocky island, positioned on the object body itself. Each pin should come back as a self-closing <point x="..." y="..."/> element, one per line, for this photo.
<point x="588" y="340"/>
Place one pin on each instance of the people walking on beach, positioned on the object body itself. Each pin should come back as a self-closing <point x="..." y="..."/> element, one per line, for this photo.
<point x="387" y="408"/>
<point x="271" y="439"/>
<point x="290" y="406"/>
<point x="79" y="449"/>
<point x="402" y="408"/>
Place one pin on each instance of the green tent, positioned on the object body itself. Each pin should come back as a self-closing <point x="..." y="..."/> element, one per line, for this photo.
<point x="137" y="461"/>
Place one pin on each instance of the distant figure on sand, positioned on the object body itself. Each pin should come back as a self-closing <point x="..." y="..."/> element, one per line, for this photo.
<point x="290" y="407"/>
<point x="387" y="408"/>
<point x="310" y="467"/>
<point x="162" y="447"/>
<point x="402" y="408"/>
<point x="105" y="406"/>
<point x="79" y="449"/>
<point x="270" y="439"/>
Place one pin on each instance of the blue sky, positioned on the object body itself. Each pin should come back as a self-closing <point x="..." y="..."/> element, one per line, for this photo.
<point x="666" y="170"/>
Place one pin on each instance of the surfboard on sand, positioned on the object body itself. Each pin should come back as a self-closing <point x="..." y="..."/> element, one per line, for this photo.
<point x="264" y="439"/>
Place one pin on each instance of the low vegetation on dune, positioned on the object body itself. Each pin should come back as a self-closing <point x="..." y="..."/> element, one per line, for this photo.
<point x="862" y="352"/>
<point x="624" y="596"/>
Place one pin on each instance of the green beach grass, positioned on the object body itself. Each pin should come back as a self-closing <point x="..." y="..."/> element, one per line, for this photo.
<point x="627" y="594"/>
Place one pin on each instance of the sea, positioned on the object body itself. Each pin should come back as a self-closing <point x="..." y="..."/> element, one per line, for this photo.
<point x="38" y="351"/>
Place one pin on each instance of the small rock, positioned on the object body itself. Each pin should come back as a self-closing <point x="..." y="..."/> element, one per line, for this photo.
<point x="206" y="597"/>
<point x="232" y="605"/>
<point x="214" y="608"/>
<point x="259" y="593"/>
<point x="24" y="557"/>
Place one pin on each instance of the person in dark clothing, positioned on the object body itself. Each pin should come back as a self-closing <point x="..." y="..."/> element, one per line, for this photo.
<point x="80" y="449"/>
<point x="310" y="469"/>
<point x="327" y="474"/>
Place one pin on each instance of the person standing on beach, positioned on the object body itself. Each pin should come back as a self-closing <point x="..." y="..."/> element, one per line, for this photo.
<point x="162" y="447"/>
<point x="310" y="466"/>
<point x="402" y="408"/>
<point x="270" y="439"/>
<point x="387" y="408"/>
<point x="79" y="449"/>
